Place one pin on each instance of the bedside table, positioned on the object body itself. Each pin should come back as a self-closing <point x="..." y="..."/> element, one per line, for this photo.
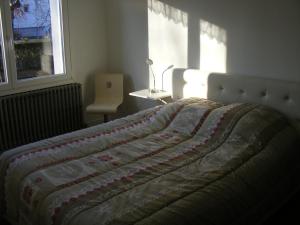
<point x="145" y="93"/>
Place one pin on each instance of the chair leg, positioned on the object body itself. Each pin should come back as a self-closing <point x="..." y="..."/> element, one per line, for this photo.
<point x="105" y="118"/>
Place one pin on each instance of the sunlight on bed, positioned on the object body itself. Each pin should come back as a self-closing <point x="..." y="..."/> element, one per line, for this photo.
<point x="213" y="47"/>
<point x="168" y="40"/>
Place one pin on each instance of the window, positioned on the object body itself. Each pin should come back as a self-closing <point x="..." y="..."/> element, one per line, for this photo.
<point x="2" y="58"/>
<point x="35" y="49"/>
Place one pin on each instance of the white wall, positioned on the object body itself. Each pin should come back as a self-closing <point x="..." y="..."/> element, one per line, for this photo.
<point x="128" y="48"/>
<point x="88" y="42"/>
<point x="262" y="38"/>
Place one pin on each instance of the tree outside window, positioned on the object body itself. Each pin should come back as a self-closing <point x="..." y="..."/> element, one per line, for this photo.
<point x="37" y="38"/>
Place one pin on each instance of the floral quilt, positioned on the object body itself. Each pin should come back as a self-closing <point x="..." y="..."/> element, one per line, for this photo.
<point x="193" y="161"/>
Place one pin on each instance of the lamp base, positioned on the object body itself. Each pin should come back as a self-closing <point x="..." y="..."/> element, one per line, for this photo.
<point x="155" y="90"/>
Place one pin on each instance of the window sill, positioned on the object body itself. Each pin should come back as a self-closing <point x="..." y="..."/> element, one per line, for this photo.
<point x="24" y="86"/>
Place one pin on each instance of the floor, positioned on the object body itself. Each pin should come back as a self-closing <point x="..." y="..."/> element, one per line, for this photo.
<point x="288" y="214"/>
<point x="3" y="222"/>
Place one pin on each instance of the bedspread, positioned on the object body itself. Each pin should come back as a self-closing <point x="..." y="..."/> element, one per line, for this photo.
<point x="193" y="161"/>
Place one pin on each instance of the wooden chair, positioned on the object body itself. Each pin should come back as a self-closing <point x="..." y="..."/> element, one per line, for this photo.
<point x="108" y="94"/>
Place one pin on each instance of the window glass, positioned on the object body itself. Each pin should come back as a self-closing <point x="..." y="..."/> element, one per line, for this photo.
<point x="2" y="73"/>
<point x="37" y="36"/>
<point x="2" y="56"/>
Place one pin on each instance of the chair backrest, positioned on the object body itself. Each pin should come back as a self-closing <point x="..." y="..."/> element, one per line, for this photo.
<point x="109" y="85"/>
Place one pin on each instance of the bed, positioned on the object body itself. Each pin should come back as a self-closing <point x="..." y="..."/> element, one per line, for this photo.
<point x="227" y="159"/>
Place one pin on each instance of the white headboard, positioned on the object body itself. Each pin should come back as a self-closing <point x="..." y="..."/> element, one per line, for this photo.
<point x="228" y="88"/>
<point x="281" y="95"/>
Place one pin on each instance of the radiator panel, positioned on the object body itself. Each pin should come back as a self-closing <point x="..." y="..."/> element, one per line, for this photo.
<point x="35" y="115"/>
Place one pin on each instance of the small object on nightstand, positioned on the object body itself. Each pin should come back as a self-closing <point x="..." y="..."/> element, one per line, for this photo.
<point x="149" y="62"/>
<point x="149" y="94"/>
<point x="162" y="76"/>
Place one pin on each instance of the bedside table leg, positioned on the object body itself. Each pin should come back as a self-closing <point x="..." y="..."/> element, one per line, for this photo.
<point x="163" y="101"/>
<point x="105" y="118"/>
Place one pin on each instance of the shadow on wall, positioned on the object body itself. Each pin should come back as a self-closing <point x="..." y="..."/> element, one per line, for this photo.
<point x="173" y="37"/>
<point x="123" y="108"/>
<point x="168" y="12"/>
<point x="88" y="93"/>
<point x="128" y="49"/>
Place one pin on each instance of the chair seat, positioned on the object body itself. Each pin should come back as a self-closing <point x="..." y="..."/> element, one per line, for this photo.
<point x="108" y="107"/>
<point x="108" y="94"/>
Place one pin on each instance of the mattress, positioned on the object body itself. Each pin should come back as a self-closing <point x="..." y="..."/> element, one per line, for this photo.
<point x="193" y="161"/>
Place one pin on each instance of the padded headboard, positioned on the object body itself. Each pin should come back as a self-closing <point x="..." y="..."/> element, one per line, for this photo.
<point x="228" y="88"/>
<point x="281" y="95"/>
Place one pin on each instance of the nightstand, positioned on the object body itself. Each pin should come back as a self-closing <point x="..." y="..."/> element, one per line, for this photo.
<point x="145" y="93"/>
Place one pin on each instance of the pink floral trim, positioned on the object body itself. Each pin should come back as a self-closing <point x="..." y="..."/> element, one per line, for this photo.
<point x="115" y="163"/>
<point x="201" y="121"/>
<point x="129" y="177"/>
<point x="120" y="142"/>
<point x="38" y="180"/>
<point x="105" y="158"/>
<point x="102" y="133"/>
<point x="27" y="194"/>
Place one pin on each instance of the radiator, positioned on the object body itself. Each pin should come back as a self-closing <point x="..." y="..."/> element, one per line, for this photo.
<point x="39" y="114"/>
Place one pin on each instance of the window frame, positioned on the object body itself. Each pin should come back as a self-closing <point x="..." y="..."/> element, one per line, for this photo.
<point x="7" y="84"/>
<point x="14" y="85"/>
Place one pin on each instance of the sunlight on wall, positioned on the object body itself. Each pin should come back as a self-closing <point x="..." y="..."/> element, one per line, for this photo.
<point x="168" y="40"/>
<point x="213" y="48"/>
